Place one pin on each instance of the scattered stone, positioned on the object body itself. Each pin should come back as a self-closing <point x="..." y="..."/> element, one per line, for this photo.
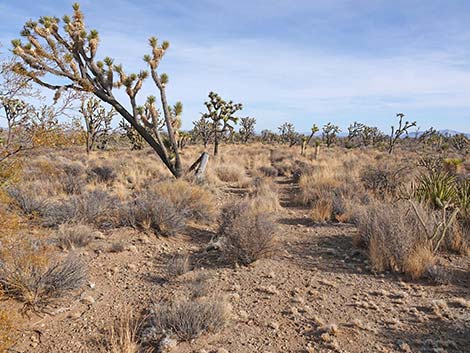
<point x="274" y="325"/>
<point x="132" y="248"/>
<point x="74" y="315"/>
<point x="167" y="345"/>
<point x="99" y="235"/>
<point x="243" y="315"/>
<point x="89" y="300"/>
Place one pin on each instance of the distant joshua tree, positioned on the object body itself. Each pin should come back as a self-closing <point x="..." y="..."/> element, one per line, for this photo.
<point x="398" y="132"/>
<point x="221" y="116"/>
<point x="202" y="130"/>
<point x="330" y="133"/>
<point x="247" y="129"/>
<point x="97" y="122"/>
<point x="363" y="134"/>
<point x="288" y="134"/>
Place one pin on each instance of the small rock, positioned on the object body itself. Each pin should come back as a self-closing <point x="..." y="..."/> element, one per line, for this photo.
<point x="89" y="300"/>
<point x="99" y="235"/>
<point x="274" y="326"/>
<point x="243" y="315"/>
<point x="167" y="344"/>
<point x="74" y="315"/>
<point x="132" y="267"/>
<point x="132" y="248"/>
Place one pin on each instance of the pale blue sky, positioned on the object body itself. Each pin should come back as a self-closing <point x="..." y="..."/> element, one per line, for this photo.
<point x="300" y="61"/>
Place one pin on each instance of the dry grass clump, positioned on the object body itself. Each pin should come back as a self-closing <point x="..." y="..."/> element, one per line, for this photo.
<point x="230" y="173"/>
<point x="178" y="265"/>
<point x="187" y="319"/>
<point x="265" y="196"/>
<point x="394" y="238"/>
<point x="150" y="211"/>
<point x="246" y="233"/>
<point x="195" y="201"/>
<point x="322" y="210"/>
<point x="37" y="281"/>
<point x="122" y="336"/>
<point x="71" y="236"/>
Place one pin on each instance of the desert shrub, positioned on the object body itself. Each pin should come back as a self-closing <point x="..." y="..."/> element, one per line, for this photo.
<point x="438" y="274"/>
<point x="268" y="171"/>
<point x="117" y="247"/>
<point x="150" y="211"/>
<point x="70" y="236"/>
<point x="96" y="207"/>
<point x="26" y="200"/>
<point x="246" y="233"/>
<point x="383" y="180"/>
<point x="395" y="239"/>
<point x="37" y="283"/>
<point x="198" y="286"/>
<point x="230" y="173"/>
<point x="284" y="167"/>
<point x="301" y="168"/>
<point x="102" y="174"/>
<point x="178" y="265"/>
<point x="72" y="181"/>
<point x="187" y="319"/>
<point x="194" y="201"/>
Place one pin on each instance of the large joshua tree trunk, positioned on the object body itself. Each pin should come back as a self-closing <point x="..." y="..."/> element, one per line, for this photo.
<point x="216" y="145"/>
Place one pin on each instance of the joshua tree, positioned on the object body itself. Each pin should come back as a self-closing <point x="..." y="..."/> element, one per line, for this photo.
<point x="13" y="88"/>
<point x="460" y="142"/>
<point x="398" y="132"/>
<point x="288" y="134"/>
<point x="221" y="114"/>
<point x="202" y="129"/>
<point x="365" y="134"/>
<point x="247" y="129"/>
<point x="330" y="132"/>
<point x="267" y="136"/>
<point x="136" y="140"/>
<point x="70" y="56"/>
<point x="306" y="141"/>
<point x="16" y="113"/>
<point x="97" y="121"/>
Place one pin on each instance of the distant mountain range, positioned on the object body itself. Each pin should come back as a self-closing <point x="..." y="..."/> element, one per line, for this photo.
<point x="445" y="132"/>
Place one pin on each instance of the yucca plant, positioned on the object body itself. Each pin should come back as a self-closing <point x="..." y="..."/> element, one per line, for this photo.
<point x="436" y="189"/>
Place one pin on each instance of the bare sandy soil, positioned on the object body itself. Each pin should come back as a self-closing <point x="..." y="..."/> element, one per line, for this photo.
<point x="317" y="295"/>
